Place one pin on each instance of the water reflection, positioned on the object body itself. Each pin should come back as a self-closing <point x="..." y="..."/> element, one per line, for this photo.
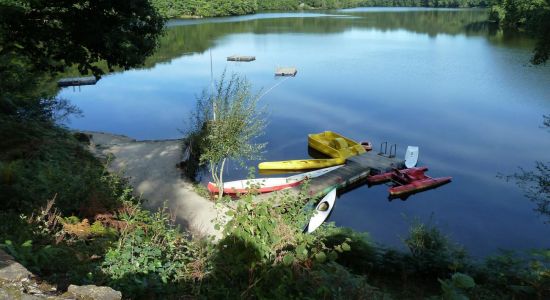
<point x="535" y="184"/>
<point x="196" y="36"/>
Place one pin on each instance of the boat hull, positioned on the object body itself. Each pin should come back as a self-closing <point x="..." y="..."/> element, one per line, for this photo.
<point x="418" y="186"/>
<point x="313" y="174"/>
<point x="334" y="145"/>
<point x="385" y="177"/>
<point x="301" y="164"/>
<point x="319" y="216"/>
<point x="265" y="185"/>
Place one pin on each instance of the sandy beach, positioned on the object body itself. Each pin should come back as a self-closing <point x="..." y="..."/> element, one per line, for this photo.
<point x="150" y="167"/>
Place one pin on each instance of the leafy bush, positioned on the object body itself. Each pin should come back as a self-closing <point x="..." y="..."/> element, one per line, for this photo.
<point x="151" y="252"/>
<point x="35" y="161"/>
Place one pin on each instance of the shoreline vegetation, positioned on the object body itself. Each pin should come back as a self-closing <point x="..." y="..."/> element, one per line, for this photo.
<point x="531" y="16"/>
<point x="71" y="221"/>
<point x="220" y="8"/>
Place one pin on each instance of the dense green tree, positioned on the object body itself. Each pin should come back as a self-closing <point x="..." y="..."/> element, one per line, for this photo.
<point x="54" y="34"/>
<point x="532" y="16"/>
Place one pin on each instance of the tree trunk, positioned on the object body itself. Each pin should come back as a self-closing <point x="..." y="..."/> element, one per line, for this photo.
<point x="220" y="178"/>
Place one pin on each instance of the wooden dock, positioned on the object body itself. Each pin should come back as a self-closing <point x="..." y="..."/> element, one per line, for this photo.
<point x="243" y="58"/>
<point x="355" y="171"/>
<point x="286" y="71"/>
<point x="77" y="81"/>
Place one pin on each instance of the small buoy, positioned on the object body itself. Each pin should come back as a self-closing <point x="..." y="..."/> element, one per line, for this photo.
<point x="366" y="145"/>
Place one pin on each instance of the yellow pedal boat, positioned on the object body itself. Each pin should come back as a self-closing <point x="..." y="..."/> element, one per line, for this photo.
<point x="301" y="164"/>
<point x="334" y="144"/>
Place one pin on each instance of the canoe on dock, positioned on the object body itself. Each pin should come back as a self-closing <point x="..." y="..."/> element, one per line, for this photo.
<point x="301" y="164"/>
<point x="334" y="145"/>
<point x="244" y="58"/>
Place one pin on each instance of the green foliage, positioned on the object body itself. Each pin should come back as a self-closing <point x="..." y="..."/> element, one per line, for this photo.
<point x="530" y="15"/>
<point x="431" y="250"/>
<point x="56" y="34"/>
<point x="151" y="252"/>
<point x="265" y="254"/>
<point x="201" y="8"/>
<point x="523" y="275"/>
<point x="216" y="8"/>
<point x="34" y="162"/>
<point x="453" y="289"/>
<point x="227" y="120"/>
<point x="31" y="256"/>
<point x="497" y="14"/>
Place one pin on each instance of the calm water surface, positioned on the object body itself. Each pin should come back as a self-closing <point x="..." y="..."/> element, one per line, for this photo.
<point x="438" y="79"/>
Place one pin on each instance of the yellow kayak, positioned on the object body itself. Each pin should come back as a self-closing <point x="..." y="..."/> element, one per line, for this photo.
<point x="334" y="145"/>
<point x="301" y="164"/>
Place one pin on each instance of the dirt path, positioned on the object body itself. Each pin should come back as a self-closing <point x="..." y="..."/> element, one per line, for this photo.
<point x="151" y="169"/>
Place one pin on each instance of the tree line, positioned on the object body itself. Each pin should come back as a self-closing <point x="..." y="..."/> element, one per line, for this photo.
<point x="532" y="16"/>
<point x="215" y="8"/>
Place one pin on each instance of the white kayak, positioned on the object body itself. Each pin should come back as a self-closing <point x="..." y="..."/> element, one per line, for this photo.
<point x="322" y="210"/>
<point x="260" y="185"/>
<point x="411" y="156"/>
<point x="266" y="185"/>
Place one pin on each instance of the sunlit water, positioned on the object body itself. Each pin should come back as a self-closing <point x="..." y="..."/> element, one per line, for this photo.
<point x="438" y="79"/>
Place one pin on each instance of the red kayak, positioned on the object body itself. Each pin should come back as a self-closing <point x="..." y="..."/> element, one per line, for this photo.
<point x="408" y="181"/>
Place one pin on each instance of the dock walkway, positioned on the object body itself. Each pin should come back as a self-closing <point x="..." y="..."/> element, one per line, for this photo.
<point x="355" y="171"/>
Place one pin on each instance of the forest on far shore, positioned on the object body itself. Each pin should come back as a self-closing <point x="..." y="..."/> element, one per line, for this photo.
<point x="216" y="8"/>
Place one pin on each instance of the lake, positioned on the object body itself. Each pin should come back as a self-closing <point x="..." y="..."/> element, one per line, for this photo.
<point x="442" y="80"/>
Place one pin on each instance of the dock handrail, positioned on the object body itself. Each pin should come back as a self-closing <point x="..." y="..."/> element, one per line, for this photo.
<point x="385" y="148"/>
<point x="394" y="147"/>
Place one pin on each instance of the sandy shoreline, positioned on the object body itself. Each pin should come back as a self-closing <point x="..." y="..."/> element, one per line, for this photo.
<point x="150" y="167"/>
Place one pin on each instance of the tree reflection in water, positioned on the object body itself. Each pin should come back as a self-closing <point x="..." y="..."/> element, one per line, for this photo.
<point x="536" y="183"/>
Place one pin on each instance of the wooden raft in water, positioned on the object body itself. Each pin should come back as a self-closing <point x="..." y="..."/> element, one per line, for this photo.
<point x="244" y="58"/>
<point x="290" y="71"/>
<point x="355" y="171"/>
<point x="77" y="81"/>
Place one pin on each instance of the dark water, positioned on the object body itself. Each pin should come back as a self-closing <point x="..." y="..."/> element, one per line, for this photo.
<point x="438" y="79"/>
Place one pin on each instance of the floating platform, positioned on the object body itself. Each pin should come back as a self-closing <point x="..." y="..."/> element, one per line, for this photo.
<point x="77" y="81"/>
<point x="244" y="58"/>
<point x="355" y="171"/>
<point x="286" y="71"/>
